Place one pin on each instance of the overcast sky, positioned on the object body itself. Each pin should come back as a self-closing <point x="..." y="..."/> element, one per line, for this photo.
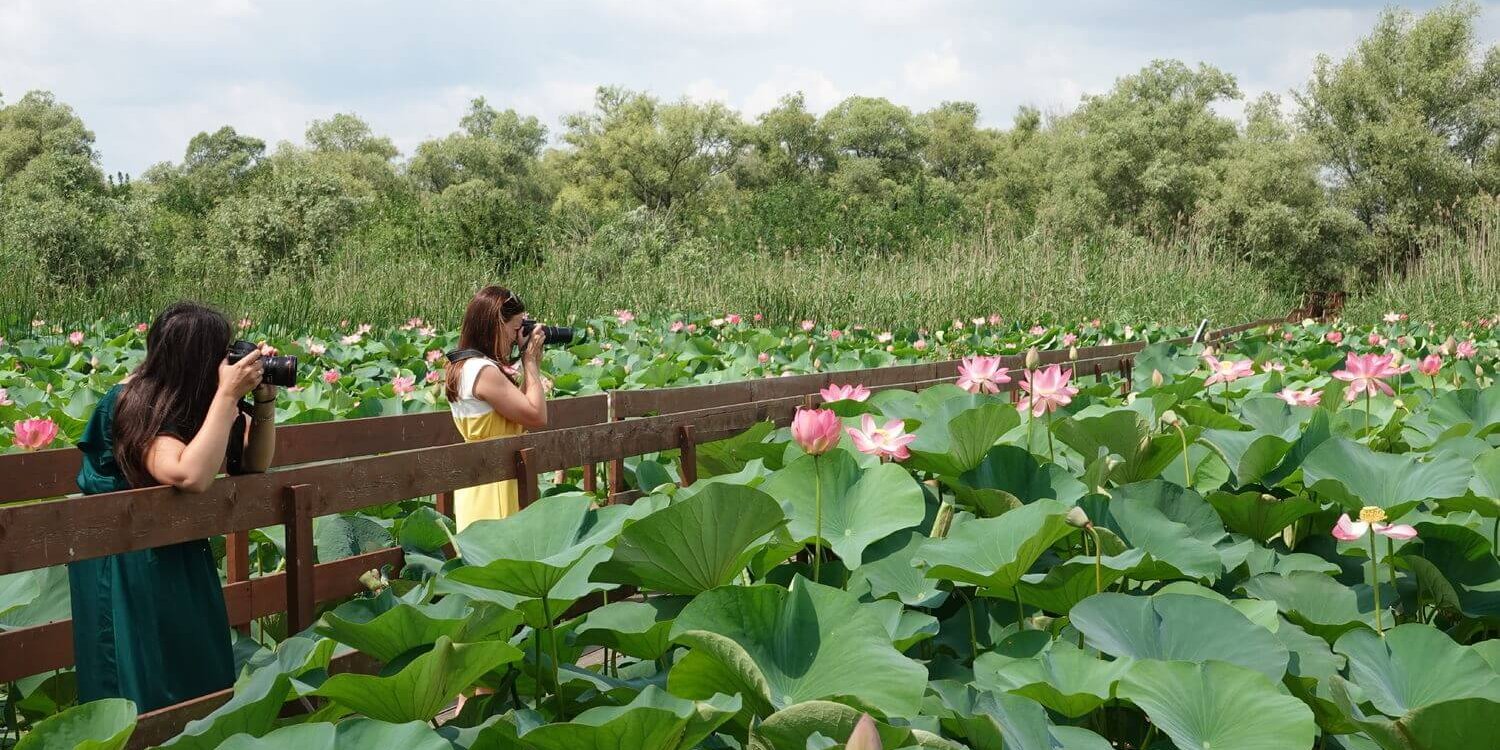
<point x="147" y="76"/>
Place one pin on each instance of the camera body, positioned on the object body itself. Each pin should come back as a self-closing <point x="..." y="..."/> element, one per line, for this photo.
<point x="278" y="371"/>
<point x="556" y="335"/>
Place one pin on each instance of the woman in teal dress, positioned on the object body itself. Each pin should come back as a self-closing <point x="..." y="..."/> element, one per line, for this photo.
<point x="150" y="625"/>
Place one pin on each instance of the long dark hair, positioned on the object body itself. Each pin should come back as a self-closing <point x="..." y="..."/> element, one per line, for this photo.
<point x="170" y="392"/>
<point x="484" y="319"/>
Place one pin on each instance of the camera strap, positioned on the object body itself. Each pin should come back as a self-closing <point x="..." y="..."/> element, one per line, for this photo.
<point x="459" y="355"/>
<point x="234" y="452"/>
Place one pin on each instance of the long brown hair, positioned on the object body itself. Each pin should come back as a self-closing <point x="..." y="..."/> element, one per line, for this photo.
<point x="484" y="320"/>
<point x="171" y="391"/>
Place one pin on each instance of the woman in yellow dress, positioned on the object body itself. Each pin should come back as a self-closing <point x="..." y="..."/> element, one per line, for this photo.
<point x="486" y="396"/>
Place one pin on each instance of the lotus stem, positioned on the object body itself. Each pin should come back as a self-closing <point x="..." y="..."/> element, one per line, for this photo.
<point x="1150" y="734"/>
<point x="1368" y="408"/>
<point x="1390" y="561"/>
<point x="1050" y="456"/>
<point x="1098" y="561"/>
<point x="1375" y="584"/>
<point x="562" y="709"/>
<point x="1187" y="466"/>
<point x="818" y="519"/>
<point x="1020" y="611"/>
<point x="973" y="631"/>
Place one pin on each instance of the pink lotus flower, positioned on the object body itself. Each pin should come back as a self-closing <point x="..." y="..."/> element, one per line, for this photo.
<point x="1466" y="349"/>
<point x="1305" y="397"/>
<point x="677" y="326"/>
<point x="75" y="338"/>
<point x="363" y="329"/>
<point x="403" y="384"/>
<point x="884" y="337"/>
<point x="692" y="327"/>
<point x="1069" y="339"/>
<point x="433" y="355"/>
<point x="816" y="430"/>
<point x="1430" y="365"/>
<point x="427" y="331"/>
<point x="1047" y="390"/>
<point x="433" y="376"/>
<point x="1273" y="366"/>
<point x="331" y="376"/>
<point x="977" y="322"/>
<point x="979" y="374"/>
<point x="414" y="322"/>
<point x="1334" y="337"/>
<point x="1392" y="317"/>
<point x="141" y="327"/>
<point x="316" y="350"/>
<point x="958" y="325"/>
<point x="835" y="334"/>
<point x="889" y="441"/>
<point x="733" y="318"/>
<point x="995" y="319"/>
<point x="716" y="322"/>
<point x="1375" y="339"/>
<point x="5" y="397"/>
<point x="1366" y="373"/>
<point x="920" y="345"/>
<point x="624" y="316"/>
<point x="350" y="340"/>
<point x="36" y="433"/>
<point x="1287" y="336"/>
<point x="758" y="317"/>
<point x="844" y="393"/>
<point x="763" y="358"/>
<point x="807" y="326"/>
<point x="1370" y="517"/>
<point x="1225" y="371"/>
<point x="244" y="323"/>
<point x="597" y="362"/>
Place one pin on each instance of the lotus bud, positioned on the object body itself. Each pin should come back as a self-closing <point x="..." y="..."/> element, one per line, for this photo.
<point x="942" y="521"/>
<point x="864" y="736"/>
<point x="1209" y="351"/>
<point x="1156" y="379"/>
<point x="1073" y="352"/>
<point x="1033" y="358"/>
<point x="1169" y="417"/>
<point x="1308" y="322"/>
<point x="374" y="580"/>
<point x="1078" y="519"/>
<point x="1448" y="346"/>
<point x="1041" y="622"/>
<point x="1130" y="398"/>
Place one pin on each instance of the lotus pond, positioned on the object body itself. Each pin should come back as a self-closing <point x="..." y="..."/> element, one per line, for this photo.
<point x="1289" y="542"/>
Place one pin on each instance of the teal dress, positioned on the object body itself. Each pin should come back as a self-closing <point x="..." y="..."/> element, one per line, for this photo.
<point x="148" y="625"/>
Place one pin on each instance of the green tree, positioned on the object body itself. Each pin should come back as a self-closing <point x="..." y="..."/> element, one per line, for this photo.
<point x="215" y="166"/>
<point x="1406" y="124"/>
<point x="787" y="144"/>
<point x="956" y="148"/>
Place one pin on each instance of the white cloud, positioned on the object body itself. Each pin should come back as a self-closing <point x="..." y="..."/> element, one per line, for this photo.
<point x="817" y="89"/>
<point x="706" y="90"/>
<point x="933" y="70"/>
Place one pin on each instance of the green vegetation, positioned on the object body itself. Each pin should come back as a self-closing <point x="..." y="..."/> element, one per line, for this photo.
<point x="1141" y="197"/>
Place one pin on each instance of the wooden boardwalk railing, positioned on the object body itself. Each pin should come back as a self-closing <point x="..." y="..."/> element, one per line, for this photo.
<point x="327" y="468"/>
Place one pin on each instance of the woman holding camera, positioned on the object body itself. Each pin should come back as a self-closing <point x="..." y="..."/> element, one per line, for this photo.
<point x="150" y="625"/>
<point x="489" y="398"/>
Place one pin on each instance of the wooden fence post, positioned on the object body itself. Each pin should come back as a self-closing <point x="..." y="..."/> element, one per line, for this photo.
<point x="689" y="455"/>
<point x="444" y="503"/>
<point x="237" y="563"/>
<point x="301" y="599"/>
<point x="1124" y="379"/>
<point x="526" y="484"/>
<point x="590" y="478"/>
<point x="614" y="471"/>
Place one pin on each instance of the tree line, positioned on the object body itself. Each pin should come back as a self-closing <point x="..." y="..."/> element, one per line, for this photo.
<point x="1346" y="178"/>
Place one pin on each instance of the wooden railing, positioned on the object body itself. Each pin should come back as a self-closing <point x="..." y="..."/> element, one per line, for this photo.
<point x="328" y="468"/>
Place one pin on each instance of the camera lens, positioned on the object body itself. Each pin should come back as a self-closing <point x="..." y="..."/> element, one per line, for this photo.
<point x="279" y="371"/>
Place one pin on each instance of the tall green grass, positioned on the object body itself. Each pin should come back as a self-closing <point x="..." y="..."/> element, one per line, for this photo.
<point x="1456" y="277"/>
<point x="1019" y="277"/>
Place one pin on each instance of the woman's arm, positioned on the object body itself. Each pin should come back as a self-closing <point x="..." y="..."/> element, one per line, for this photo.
<point x="527" y="408"/>
<point x="191" y="466"/>
<point x="260" y="439"/>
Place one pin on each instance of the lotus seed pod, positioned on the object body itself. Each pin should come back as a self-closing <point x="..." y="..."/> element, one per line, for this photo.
<point x="1073" y="352"/>
<point x="1033" y="358"/>
<point x="1156" y="379"/>
<point x="1077" y="518"/>
<point x="943" y="520"/>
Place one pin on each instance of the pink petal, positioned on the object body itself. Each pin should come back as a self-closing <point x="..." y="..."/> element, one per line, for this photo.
<point x="1348" y="529"/>
<point x="1396" y="531"/>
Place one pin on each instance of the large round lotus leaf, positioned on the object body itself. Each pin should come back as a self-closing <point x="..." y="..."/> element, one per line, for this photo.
<point x="1456" y="568"/>
<point x="1174" y="526"/>
<point x="253" y="709"/>
<point x="1261" y="613"/>
<point x="1215" y="704"/>
<point x="777" y="647"/>
<point x="530" y="552"/>
<point x="97" y="725"/>
<point x="1250" y="455"/>
<point x="906" y="627"/>
<point x="654" y="720"/>
<point x="1014" y="474"/>
<point x="1356" y="476"/>
<point x="860" y="506"/>
<point x="1415" y="665"/>
<point x="1464" y="723"/>
<point x="695" y="544"/>
<point x="1127" y="434"/>
<point x="1175" y="627"/>
<point x="996" y="552"/>
<point x="388" y="626"/>
<point x="994" y="719"/>
<point x="1071" y="581"/>
<point x="424" y="686"/>
<point x="1062" y="678"/>
<point x="891" y="568"/>
<point x="639" y="629"/>
<point x="1479" y="409"/>
<point x="952" y="444"/>
<point x="792" y="727"/>
<point x="573" y="585"/>
<point x="1258" y="515"/>
<point x="1325" y="607"/>
<point x="354" y="734"/>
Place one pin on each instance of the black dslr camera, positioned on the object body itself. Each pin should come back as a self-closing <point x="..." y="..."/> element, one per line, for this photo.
<point x="278" y="371"/>
<point x="556" y="335"/>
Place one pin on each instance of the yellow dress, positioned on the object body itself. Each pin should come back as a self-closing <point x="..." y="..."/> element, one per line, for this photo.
<point x="476" y="420"/>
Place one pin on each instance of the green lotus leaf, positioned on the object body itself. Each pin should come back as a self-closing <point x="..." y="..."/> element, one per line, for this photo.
<point x="906" y="627"/>
<point x="388" y="626"/>
<point x="1261" y="613"/>
<point x="1250" y="455"/>
<point x="1456" y="568"/>
<point x="891" y="567"/>
<point x="574" y="585"/>
<point x="1063" y="678"/>
<point x="1462" y="723"/>
<point x="777" y="647"/>
<point x="529" y="553"/>
<point x="34" y="597"/>
<point x="1258" y="515"/>
<point x="1415" y="665"/>
<point x="1216" y="704"/>
<point x="959" y="443"/>
<point x="654" y="720"/>
<point x="354" y="734"/>
<point x="1174" y="526"/>
<point x="792" y="727"/>
<point x="425" y="686"/>
<point x="1071" y="581"/>
<point x="338" y="537"/>
<point x="996" y="552"/>
<point x="695" y="544"/>
<point x="1267" y="560"/>
<point x="1356" y="476"/>
<point x="257" y="700"/>
<point x="1325" y="607"/>
<point x="1176" y="627"/>
<point x="1010" y="475"/>
<point x="639" y="629"/>
<point x="304" y="656"/>
<point x="1127" y="434"/>
<point x="1478" y="409"/>
<point x="97" y="725"/>
<point x="860" y="506"/>
<point x="997" y="719"/>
